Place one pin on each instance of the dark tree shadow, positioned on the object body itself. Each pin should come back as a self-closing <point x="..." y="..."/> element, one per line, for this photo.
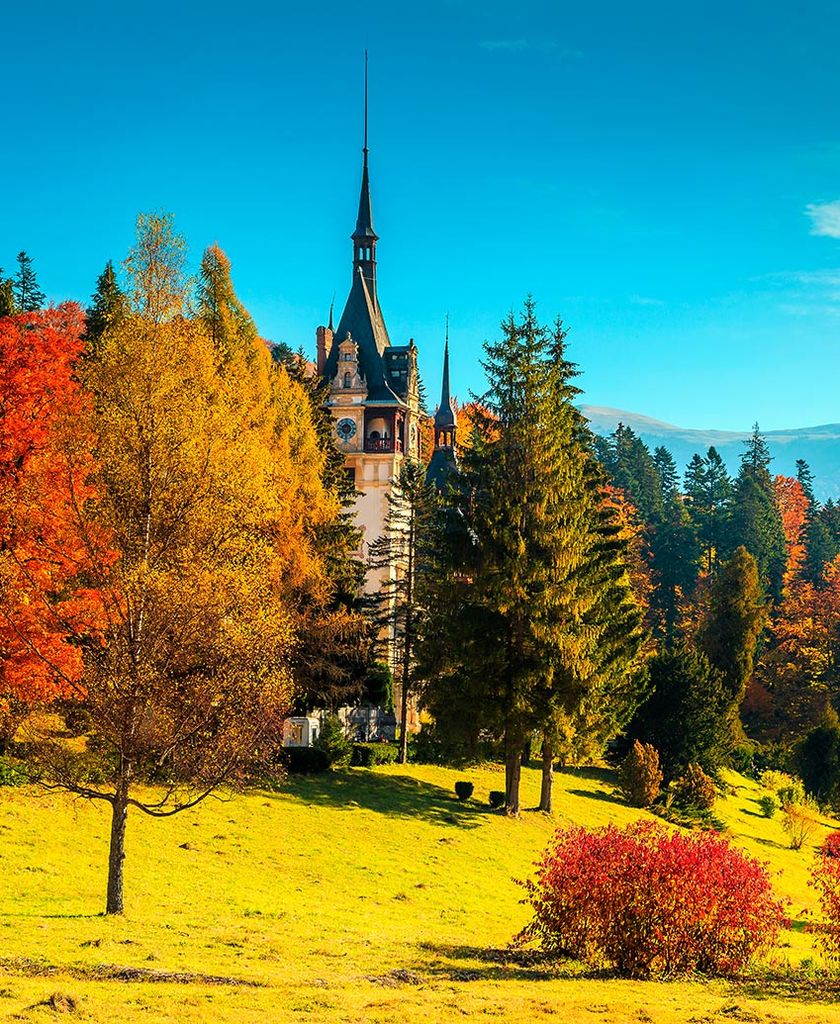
<point x="478" y="963"/>
<point x="393" y="795"/>
<point x="601" y="794"/>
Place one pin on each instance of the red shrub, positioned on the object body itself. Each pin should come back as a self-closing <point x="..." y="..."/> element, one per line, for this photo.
<point x="649" y="901"/>
<point x="826" y="880"/>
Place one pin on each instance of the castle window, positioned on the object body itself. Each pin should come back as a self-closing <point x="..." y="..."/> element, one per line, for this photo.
<point x="347" y="379"/>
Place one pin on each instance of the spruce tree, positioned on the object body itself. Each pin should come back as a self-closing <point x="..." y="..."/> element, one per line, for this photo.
<point x="525" y="594"/>
<point x="7" y="295"/>
<point x="756" y="522"/>
<point x="675" y="548"/>
<point x="737" y="615"/>
<point x="218" y="308"/>
<point x="108" y="305"/>
<point x="27" y="295"/>
<point x="819" y="545"/>
<point x="708" y="490"/>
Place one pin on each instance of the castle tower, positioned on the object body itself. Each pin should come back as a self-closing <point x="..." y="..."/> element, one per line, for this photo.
<point x="443" y="459"/>
<point x="373" y="393"/>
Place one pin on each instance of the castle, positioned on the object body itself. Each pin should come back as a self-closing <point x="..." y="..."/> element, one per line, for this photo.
<point x="374" y="392"/>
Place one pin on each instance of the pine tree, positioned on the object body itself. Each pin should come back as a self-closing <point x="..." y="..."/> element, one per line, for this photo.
<point x="820" y="549"/>
<point x="108" y="305"/>
<point x="524" y="594"/>
<point x="674" y="546"/>
<point x="402" y="556"/>
<point x="708" y="490"/>
<point x="7" y="295"/>
<point x="737" y="616"/>
<point x="756" y="522"/>
<point x="27" y="295"/>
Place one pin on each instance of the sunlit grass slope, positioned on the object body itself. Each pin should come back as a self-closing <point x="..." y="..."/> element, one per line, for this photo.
<point x="357" y="896"/>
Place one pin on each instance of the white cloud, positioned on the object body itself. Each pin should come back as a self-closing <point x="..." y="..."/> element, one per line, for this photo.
<point x="825" y="218"/>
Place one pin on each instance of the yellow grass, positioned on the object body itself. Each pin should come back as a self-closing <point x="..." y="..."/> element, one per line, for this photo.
<point x="357" y="896"/>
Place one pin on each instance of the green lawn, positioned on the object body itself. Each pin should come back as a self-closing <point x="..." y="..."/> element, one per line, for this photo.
<point x="357" y="896"/>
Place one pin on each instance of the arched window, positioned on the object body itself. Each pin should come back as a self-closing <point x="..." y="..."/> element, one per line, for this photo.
<point x="347" y="379"/>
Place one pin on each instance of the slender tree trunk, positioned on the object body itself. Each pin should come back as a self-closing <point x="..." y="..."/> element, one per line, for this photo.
<point x="408" y="640"/>
<point x="116" y="854"/>
<point x="403" y="755"/>
<point x="547" y="774"/>
<point x="513" y="772"/>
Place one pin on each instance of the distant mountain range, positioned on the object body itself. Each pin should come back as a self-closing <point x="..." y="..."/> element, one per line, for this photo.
<point x="818" y="446"/>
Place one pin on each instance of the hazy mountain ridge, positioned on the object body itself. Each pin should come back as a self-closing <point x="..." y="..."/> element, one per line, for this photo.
<point x="819" y="445"/>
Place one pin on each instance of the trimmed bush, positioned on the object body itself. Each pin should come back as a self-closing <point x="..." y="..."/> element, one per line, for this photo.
<point x="305" y="760"/>
<point x="648" y="901"/>
<point x="694" y="790"/>
<point x="366" y="755"/>
<point x="463" y="789"/>
<point x="639" y="777"/>
<point x="793" y="794"/>
<point x="496" y="798"/>
<point x="769" y="805"/>
<point x="800" y="821"/>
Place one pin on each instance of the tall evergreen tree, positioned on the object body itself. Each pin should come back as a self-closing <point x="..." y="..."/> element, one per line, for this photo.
<point x="708" y="491"/>
<point x="674" y="546"/>
<point x="27" y="295"/>
<point x="225" y="318"/>
<point x="756" y="522"/>
<point x="524" y="609"/>
<point x="737" y="615"/>
<point x="820" y="548"/>
<point x="108" y="305"/>
<point x="7" y="295"/>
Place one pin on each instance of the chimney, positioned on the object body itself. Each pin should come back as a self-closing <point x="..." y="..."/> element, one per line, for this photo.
<point x="324" y="339"/>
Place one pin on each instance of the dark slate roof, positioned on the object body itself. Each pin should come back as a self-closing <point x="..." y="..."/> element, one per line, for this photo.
<point x="397" y="366"/>
<point x="441" y="465"/>
<point x="364" y="222"/>
<point x="363" y="320"/>
<point x="445" y="414"/>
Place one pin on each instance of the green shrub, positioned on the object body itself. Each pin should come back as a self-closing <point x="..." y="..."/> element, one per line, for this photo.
<point x="333" y="741"/>
<point x="639" y="777"/>
<point x="12" y="772"/>
<point x="366" y="755"/>
<point x="496" y="799"/>
<point x="305" y="760"/>
<point x="769" y="805"/>
<point x="742" y="759"/>
<point x="793" y="794"/>
<point x="463" y="789"/>
<point x="694" y="790"/>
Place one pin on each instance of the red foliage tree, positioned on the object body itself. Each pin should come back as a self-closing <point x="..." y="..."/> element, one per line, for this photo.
<point x="44" y="468"/>
<point x="825" y="878"/>
<point x="649" y="901"/>
<point x="793" y="505"/>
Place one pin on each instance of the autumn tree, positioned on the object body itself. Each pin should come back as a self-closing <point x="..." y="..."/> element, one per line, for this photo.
<point x="794" y="505"/>
<point x="28" y="297"/>
<point x="206" y="507"/>
<point x="44" y="471"/>
<point x="7" y="295"/>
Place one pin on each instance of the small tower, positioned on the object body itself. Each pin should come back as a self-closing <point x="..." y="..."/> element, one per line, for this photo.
<point x="444" y="458"/>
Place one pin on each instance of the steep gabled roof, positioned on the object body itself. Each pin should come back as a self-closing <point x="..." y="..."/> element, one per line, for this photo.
<point x="363" y="321"/>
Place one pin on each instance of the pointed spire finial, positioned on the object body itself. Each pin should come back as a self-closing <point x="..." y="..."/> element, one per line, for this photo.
<point x="445" y="418"/>
<point x="366" y="104"/>
<point x="332" y="308"/>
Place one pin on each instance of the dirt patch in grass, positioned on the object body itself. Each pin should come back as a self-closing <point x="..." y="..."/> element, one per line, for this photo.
<point x="114" y="972"/>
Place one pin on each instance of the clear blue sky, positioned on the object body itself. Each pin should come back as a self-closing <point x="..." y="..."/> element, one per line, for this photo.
<point x="665" y="176"/>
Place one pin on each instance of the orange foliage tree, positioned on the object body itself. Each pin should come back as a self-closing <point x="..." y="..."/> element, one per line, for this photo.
<point x="44" y="471"/>
<point x="793" y="504"/>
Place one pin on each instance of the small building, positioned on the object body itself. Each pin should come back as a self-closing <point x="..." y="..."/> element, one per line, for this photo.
<point x="300" y="732"/>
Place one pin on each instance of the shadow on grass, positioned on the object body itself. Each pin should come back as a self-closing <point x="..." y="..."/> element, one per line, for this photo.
<point x="478" y="963"/>
<point x="589" y="794"/>
<point x="394" y="795"/>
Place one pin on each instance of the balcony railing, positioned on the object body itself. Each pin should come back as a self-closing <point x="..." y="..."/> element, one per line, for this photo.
<point x="382" y="444"/>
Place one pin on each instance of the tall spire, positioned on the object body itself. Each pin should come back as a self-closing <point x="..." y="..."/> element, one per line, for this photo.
<point x="445" y="418"/>
<point x="364" y="233"/>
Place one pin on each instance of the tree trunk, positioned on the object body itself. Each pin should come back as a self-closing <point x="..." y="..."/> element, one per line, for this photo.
<point x="403" y="755"/>
<point x="547" y="774"/>
<point x="513" y="773"/>
<point x="116" y="853"/>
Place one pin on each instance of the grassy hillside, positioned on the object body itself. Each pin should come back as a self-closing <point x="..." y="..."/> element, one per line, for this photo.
<point x="359" y="896"/>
